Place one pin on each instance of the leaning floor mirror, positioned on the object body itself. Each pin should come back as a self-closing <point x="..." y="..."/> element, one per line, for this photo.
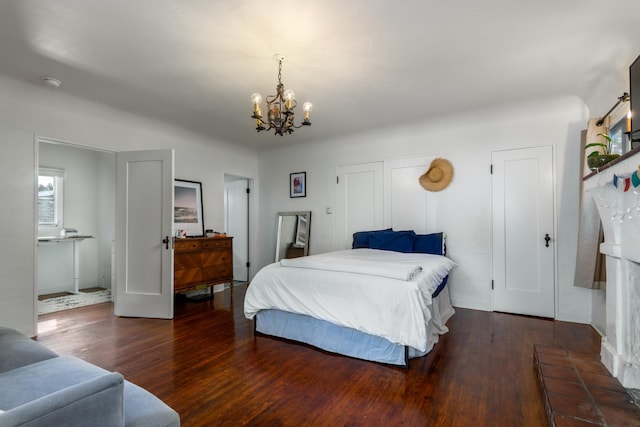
<point x="292" y="240"/>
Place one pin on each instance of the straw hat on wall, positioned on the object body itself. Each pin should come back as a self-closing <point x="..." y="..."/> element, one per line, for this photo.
<point x="438" y="176"/>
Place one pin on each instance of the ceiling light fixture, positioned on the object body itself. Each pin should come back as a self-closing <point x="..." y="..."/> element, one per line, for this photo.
<point x="52" y="82"/>
<point x="280" y="107"/>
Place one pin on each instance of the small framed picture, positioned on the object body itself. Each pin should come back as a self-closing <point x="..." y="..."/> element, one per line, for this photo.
<point x="298" y="184"/>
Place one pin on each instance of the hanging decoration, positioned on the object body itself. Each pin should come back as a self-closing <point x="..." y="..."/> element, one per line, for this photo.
<point x="438" y="176"/>
<point x="613" y="196"/>
<point x="624" y="183"/>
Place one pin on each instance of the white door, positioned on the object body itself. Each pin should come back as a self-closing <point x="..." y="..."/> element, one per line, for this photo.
<point x="359" y="200"/>
<point x="237" y="224"/>
<point x="144" y="225"/>
<point x="402" y="189"/>
<point x="523" y="256"/>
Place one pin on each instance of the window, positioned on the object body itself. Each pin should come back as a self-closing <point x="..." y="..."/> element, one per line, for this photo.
<point x="618" y="137"/>
<point x="619" y="130"/>
<point x="50" y="198"/>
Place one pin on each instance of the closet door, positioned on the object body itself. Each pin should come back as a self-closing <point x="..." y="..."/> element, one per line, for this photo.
<point x="359" y="200"/>
<point x="523" y="232"/>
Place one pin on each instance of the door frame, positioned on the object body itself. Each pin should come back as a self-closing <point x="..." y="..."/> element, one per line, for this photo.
<point x="250" y="219"/>
<point x="36" y="141"/>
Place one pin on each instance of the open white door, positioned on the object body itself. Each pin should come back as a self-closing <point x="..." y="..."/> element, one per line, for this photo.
<point x="144" y="224"/>
<point x="523" y="238"/>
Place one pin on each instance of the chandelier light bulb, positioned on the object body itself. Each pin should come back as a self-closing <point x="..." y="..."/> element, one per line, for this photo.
<point x="256" y="98"/>
<point x="306" y="107"/>
<point x="289" y="95"/>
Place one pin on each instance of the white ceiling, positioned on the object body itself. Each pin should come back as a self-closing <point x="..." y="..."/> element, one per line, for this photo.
<point x="363" y="63"/>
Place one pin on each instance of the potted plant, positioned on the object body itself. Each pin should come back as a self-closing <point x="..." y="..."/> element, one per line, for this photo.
<point x="603" y="155"/>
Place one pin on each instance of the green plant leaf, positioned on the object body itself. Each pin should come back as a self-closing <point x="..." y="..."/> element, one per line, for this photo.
<point x="594" y="154"/>
<point x="605" y="136"/>
<point x="596" y="144"/>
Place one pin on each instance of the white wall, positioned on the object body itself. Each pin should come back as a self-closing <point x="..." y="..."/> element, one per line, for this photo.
<point x="28" y="110"/>
<point x="464" y="209"/>
<point x="17" y="232"/>
<point x="599" y="311"/>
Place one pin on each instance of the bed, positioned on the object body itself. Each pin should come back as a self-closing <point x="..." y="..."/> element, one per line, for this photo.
<point x="384" y="300"/>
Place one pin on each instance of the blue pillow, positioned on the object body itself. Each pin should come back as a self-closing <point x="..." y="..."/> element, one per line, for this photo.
<point x="429" y="244"/>
<point x="397" y="241"/>
<point x="361" y="238"/>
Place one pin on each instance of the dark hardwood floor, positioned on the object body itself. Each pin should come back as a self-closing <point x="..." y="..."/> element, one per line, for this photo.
<point x="208" y="365"/>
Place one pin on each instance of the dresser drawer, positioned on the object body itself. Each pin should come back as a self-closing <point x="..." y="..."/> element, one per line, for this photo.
<point x="186" y="244"/>
<point x="218" y="273"/>
<point x="219" y="242"/>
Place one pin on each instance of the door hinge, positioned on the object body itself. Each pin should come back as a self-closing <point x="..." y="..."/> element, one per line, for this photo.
<point x="491" y="169"/>
<point x="337" y="180"/>
<point x="248" y="190"/>
<point x="248" y="264"/>
<point x="491" y="284"/>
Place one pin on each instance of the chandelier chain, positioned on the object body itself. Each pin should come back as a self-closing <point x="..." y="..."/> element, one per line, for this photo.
<point x="280" y="71"/>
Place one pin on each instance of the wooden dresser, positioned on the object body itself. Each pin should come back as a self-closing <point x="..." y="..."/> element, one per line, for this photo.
<point x="294" y="252"/>
<point x="202" y="262"/>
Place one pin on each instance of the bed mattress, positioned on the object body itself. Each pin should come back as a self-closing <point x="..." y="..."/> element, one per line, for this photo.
<point x="394" y="309"/>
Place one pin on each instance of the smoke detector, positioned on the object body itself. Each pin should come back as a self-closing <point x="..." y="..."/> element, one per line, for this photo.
<point x="51" y="82"/>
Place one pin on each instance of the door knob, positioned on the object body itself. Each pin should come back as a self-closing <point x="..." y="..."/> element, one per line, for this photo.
<point x="547" y="239"/>
<point x="166" y="242"/>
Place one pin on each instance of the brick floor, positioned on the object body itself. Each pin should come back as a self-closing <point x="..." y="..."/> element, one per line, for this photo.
<point x="579" y="391"/>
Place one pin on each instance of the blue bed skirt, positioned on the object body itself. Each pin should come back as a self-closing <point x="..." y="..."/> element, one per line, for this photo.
<point x="332" y="338"/>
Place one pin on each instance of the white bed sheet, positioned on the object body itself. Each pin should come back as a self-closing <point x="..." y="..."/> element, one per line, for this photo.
<point x="394" y="309"/>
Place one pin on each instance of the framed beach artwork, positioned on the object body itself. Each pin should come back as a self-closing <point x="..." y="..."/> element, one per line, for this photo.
<point x="298" y="184"/>
<point x="187" y="208"/>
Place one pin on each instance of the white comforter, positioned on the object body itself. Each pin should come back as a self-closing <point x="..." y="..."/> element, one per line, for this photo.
<point x="372" y="303"/>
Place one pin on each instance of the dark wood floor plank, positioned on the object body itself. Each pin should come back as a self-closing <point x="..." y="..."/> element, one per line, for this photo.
<point x="207" y="364"/>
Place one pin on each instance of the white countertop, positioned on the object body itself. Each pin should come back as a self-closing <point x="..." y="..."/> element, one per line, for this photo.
<point x="56" y="239"/>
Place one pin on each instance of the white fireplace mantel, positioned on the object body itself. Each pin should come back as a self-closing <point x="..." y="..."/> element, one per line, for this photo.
<point x="620" y="215"/>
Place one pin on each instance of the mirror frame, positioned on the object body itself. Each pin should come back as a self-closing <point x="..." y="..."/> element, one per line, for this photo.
<point x="280" y="216"/>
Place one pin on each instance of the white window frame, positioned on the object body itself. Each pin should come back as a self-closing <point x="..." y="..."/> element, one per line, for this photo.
<point x="621" y="142"/>
<point x="48" y="229"/>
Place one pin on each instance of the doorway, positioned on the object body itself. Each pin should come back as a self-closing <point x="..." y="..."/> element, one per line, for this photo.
<point x="523" y="231"/>
<point x="237" y="213"/>
<point x="76" y="223"/>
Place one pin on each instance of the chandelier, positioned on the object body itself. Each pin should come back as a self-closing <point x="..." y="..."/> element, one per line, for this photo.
<point x="280" y="107"/>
